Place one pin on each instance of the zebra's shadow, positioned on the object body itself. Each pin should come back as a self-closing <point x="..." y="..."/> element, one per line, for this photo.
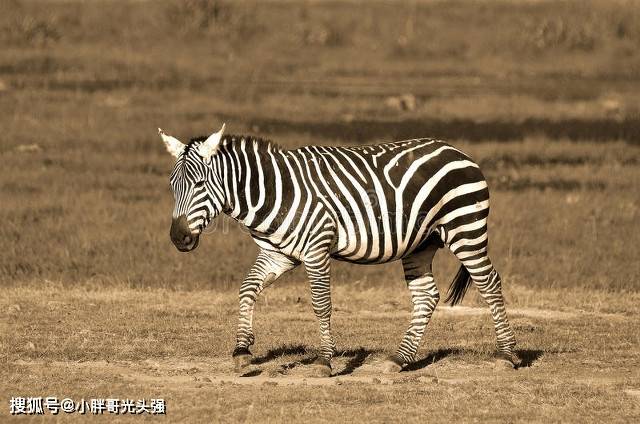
<point x="281" y="351"/>
<point x="356" y="357"/>
<point x="527" y="356"/>
<point x="432" y="358"/>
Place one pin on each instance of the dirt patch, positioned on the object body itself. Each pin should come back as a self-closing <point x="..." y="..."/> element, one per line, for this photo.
<point x="461" y="311"/>
<point x="196" y="374"/>
<point x="525" y="312"/>
<point x="218" y="371"/>
<point x="185" y="375"/>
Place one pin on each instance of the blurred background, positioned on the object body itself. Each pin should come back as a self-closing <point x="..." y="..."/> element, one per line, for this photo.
<point x="545" y="95"/>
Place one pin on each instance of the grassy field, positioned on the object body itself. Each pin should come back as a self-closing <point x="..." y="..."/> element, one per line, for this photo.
<point x="97" y="302"/>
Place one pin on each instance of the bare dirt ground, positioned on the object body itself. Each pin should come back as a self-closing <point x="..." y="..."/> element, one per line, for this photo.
<point x="579" y="363"/>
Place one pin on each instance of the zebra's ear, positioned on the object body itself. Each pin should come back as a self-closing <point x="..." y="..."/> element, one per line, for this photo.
<point x="211" y="144"/>
<point x="174" y="146"/>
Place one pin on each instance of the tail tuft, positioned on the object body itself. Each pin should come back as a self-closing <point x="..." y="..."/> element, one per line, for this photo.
<point x="458" y="286"/>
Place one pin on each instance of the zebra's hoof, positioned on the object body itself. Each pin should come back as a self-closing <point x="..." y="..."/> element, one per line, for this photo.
<point x="391" y="365"/>
<point x="241" y="362"/>
<point x="507" y="361"/>
<point x="516" y="361"/>
<point x="320" y="368"/>
<point x="241" y="359"/>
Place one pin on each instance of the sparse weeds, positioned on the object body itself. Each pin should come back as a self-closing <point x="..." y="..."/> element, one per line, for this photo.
<point x="560" y="33"/>
<point x="326" y="33"/>
<point x="574" y="28"/>
<point x="21" y="26"/>
<point x="198" y="15"/>
<point x="223" y="19"/>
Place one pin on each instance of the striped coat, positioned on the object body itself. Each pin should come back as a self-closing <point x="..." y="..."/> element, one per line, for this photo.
<point x="366" y="204"/>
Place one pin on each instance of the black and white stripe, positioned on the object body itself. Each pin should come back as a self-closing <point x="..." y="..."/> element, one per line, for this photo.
<point x="366" y="204"/>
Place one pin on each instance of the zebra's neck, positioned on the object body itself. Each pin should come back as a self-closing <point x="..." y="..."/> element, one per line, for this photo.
<point x="251" y="173"/>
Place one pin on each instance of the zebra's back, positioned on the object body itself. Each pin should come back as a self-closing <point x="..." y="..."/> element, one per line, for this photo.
<point x="387" y="199"/>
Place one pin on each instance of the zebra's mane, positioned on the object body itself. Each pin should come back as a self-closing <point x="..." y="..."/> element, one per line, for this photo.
<point x="232" y="140"/>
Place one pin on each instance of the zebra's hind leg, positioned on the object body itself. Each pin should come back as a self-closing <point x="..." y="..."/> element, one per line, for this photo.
<point x="424" y="297"/>
<point x="489" y="284"/>
<point x="266" y="269"/>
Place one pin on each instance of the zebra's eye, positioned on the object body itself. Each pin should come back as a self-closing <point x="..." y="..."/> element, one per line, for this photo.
<point x="199" y="184"/>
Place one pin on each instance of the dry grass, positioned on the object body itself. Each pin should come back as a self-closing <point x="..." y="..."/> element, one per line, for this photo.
<point x="580" y="365"/>
<point x="78" y="216"/>
<point x="96" y="301"/>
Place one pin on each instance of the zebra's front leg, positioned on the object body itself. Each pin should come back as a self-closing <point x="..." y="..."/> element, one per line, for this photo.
<point x="318" y="270"/>
<point x="266" y="269"/>
<point x="424" y="297"/>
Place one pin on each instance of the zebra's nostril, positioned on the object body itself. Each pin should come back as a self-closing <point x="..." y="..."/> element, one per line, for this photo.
<point x="186" y="239"/>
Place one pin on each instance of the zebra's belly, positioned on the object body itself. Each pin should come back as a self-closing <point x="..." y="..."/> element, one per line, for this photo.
<point x="368" y="260"/>
<point x="376" y="248"/>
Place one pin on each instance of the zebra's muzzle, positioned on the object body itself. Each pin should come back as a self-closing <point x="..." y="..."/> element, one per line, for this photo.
<point x="181" y="235"/>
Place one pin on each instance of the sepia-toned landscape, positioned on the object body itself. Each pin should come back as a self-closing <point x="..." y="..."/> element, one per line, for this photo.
<point x="96" y="301"/>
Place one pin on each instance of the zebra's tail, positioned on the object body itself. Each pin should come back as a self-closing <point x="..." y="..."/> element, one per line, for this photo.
<point x="458" y="286"/>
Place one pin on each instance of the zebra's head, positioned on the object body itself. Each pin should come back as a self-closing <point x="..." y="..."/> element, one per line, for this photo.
<point x="197" y="187"/>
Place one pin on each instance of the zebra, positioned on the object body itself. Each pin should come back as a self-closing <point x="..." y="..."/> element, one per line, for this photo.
<point x="366" y="204"/>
